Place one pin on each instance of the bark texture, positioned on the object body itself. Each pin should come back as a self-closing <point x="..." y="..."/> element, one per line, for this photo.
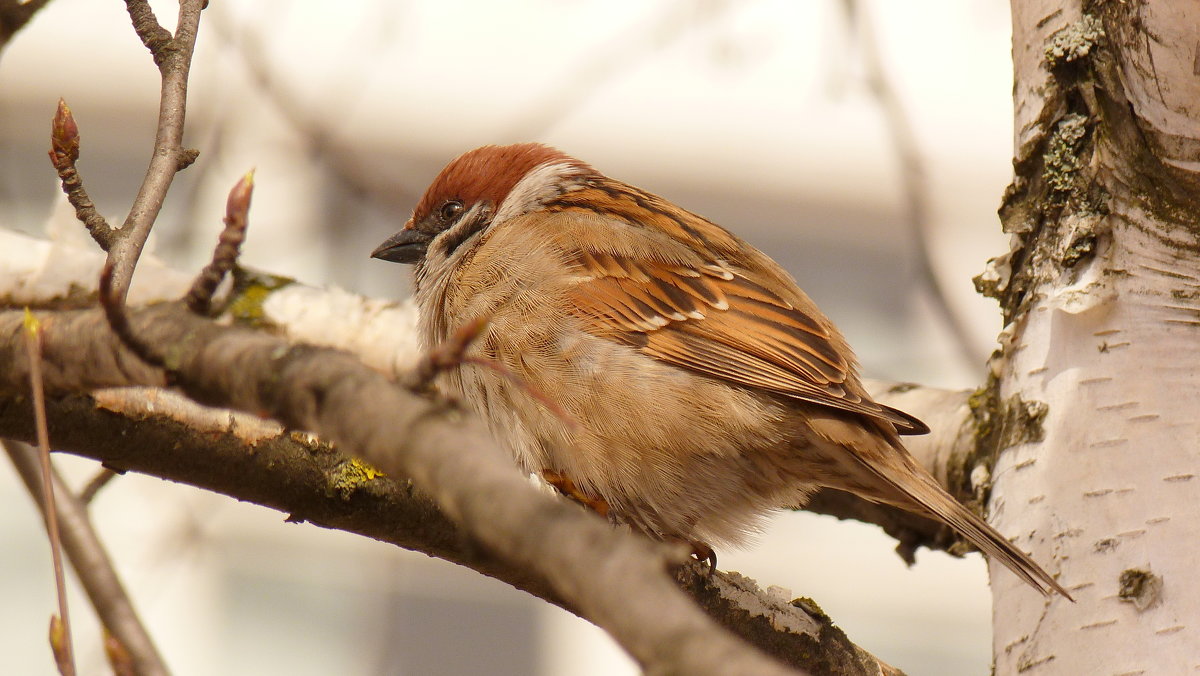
<point x="1091" y="421"/>
<point x="482" y="513"/>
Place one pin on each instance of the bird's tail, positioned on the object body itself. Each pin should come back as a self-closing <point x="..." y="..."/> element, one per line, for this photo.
<point x="922" y="494"/>
<point x="905" y="484"/>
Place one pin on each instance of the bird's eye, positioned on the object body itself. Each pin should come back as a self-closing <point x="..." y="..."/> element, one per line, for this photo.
<point x="450" y="211"/>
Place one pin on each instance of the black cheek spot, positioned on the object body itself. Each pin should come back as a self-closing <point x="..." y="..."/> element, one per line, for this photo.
<point x="455" y="236"/>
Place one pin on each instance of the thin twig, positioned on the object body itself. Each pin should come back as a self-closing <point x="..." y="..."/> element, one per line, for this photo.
<point x="64" y="152"/>
<point x="92" y="488"/>
<point x="452" y="354"/>
<point x="118" y="320"/>
<point x="60" y="634"/>
<point x="516" y="379"/>
<point x="91" y="563"/>
<point x="447" y="355"/>
<point x="156" y="38"/>
<point x="173" y="55"/>
<point x="607" y="62"/>
<point x="912" y="177"/>
<point x="225" y="255"/>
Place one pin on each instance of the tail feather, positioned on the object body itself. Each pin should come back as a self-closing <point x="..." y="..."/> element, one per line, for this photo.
<point x="922" y="494"/>
<point x="876" y="466"/>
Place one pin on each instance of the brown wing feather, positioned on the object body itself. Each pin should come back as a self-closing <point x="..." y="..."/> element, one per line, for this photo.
<point x="715" y="314"/>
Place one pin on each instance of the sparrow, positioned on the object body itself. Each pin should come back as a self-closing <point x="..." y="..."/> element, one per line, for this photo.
<point x="696" y="387"/>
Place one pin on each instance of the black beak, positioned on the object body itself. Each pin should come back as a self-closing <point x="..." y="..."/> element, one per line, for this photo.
<point x="406" y="246"/>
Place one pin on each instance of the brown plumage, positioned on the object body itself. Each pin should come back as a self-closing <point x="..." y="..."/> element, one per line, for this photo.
<point x="707" y="388"/>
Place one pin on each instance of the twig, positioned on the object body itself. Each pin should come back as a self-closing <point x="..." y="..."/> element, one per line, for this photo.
<point x="447" y="355"/>
<point x="516" y="379"/>
<point x="199" y="297"/>
<point x="92" y="488"/>
<point x="237" y="208"/>
<point x="156" y="38"/>
<point x="173" y="56"/>
<point x="202" y="448"/>
<point x="456" y="462"/>
<point x="14" y="15"/>
<point x="118" y="321"/>
<point x="912" y="177"/>
<point x="64" y="151"/>
<point x="453" y="354"/>
<point x="91" y="563"/>
<point x="60" y="631"/>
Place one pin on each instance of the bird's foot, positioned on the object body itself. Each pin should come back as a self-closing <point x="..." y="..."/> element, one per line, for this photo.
<point x="701" y="551"/>
<point x="568" y="488"/>
<point x="705" y="554"/>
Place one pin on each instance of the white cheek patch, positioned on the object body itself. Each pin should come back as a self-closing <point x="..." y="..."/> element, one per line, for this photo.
<point x="450" y="243"/>
<point x="546" y="181"/>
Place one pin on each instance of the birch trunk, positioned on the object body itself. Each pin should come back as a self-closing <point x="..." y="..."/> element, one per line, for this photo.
<point x="1094" y="411"/>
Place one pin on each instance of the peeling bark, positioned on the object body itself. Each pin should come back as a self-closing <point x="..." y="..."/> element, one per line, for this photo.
<point x="1101" y="299"/>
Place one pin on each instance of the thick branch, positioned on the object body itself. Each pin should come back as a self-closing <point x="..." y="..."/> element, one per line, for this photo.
<point x="296" y="478"/>
<point x="581" y="557"/>
<point x="382" y="334"/>
<point x="158" y="433"/>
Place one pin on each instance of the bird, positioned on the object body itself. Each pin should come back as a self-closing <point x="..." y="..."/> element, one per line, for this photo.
<point x="648" y="362"/>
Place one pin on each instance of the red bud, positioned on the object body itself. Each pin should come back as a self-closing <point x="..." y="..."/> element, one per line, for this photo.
<point x="64" y="136"/>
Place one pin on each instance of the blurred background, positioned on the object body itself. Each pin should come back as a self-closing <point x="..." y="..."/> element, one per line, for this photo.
<point x="864" y="145"/>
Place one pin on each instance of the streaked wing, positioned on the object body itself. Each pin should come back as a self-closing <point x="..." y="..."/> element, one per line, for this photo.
<point x="718" y="317"/>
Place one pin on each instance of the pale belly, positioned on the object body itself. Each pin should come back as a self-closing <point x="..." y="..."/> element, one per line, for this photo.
<point x="672" y="453"/>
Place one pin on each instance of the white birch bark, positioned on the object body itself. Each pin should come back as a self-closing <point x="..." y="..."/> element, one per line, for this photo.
<point x="1099" y="377"/>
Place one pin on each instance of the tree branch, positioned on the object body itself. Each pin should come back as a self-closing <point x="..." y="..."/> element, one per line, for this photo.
<point x="91" y="563"/>
<point x="382" y="334"/>
<point x="911" y="169"/>
<point x="445" y="452"/>
<point x="14" y="14"/>
<point x="64" y="152"/>
<point x="173" y="55"/>
<point x="310" y="482"/>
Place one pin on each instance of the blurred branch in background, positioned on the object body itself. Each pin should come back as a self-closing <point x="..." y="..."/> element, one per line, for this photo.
<point x="912" y="171"/>
<point x="634" y="85"/>
<point x="313" y="127"/>
<point x="615" y="579"/>
<point x="14" y="14"/>
<point x="607" y="61"/>
<point x="91" y="563"/>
